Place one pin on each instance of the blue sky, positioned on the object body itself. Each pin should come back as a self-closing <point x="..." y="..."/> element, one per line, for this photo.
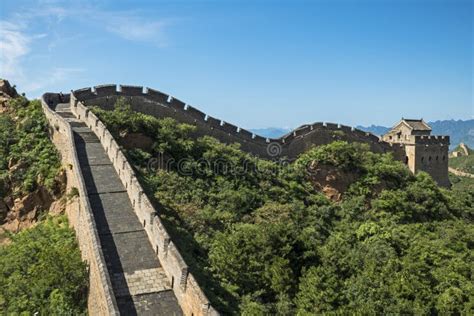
<point x="254" y="63"/>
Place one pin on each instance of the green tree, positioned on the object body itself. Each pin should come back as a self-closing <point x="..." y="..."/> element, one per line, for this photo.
<point x="42" y="271"/>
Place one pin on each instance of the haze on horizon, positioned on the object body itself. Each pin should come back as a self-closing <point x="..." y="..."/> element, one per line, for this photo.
<point x="254" y="63"/>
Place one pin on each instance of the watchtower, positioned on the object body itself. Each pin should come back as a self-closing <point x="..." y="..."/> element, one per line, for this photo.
<point x="424" y="152"/>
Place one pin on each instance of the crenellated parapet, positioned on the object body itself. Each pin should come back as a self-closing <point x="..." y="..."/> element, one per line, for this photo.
<point x="101" y="299"/>
<point x="432" y="140"/>
<point x="159" y="104"/>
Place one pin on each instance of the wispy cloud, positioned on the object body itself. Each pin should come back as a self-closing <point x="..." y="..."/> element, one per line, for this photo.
<point x="14" y="44"/>
<point x="131" y="27"/>
<point x="52" y="77"/>
<point x="18" y="34"/>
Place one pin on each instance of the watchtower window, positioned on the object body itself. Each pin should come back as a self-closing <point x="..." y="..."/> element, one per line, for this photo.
<point x="437" y="158"/>
<point x="429" y="159"/>
<point x="422" y="159"/>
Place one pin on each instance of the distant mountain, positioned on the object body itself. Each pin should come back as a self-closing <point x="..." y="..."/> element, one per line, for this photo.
<point x="459" y="131"/>
<point x="374" y="129"/>
<point x="271" y="132"/>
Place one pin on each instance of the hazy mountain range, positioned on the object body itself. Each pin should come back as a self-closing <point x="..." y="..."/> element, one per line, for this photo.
<point x="458" y="130"/>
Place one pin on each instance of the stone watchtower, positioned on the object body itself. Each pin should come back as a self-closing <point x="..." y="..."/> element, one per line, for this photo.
<point x="423" y="152"/>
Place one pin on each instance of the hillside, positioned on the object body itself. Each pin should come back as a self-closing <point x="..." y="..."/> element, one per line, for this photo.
<point x="41" y="270"/>
<point x="463" y="163"/>
<point x="262" y="238"/>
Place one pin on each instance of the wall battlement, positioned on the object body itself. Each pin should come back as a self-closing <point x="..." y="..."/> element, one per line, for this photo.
<point x="159" y="104"/>
<point x="291" y="145"/>
<point x="194" y="116"/>
<point x="432" y="140"/>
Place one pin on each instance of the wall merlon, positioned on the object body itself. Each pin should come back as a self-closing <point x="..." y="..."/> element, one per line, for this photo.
<point x="177" y="104"/>
<point x="229" y="128"/>
<point x="302" y="130"/>
<point x="243" y="133"/>
<point x="158" y="96"/>
<point x="287" y="138"/>
<point x="373" y="137"/>
<point x="195" y="113"/>
<point x="213" y="122"/>
<point x="105" y="90"/>
<point x="345" y="128"/>
<point x="359" y="133"/>
<point x="131" y="90"/>
<point x="260" y="139"/>
<point x="331" y="125"/>
<point x="173" y="254"/>
<point x="318" y="125"/>
<point x="84" y="93"/>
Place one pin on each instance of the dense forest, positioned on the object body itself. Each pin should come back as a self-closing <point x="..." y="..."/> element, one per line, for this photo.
<point x="262" y="238"/>
<point x="41" y="270"/>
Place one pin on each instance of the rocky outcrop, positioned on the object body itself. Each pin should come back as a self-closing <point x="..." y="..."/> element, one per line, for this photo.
<point x="7" y="92"/>
<point x="136" y="140"/>
<point x="330" y="180"/>
<point x="23" y="212"/>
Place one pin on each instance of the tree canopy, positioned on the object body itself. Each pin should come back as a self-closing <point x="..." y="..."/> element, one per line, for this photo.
<point x="262" y="240"/>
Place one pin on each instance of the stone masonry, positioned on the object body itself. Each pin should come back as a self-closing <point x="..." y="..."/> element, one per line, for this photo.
<point x="139" y="283"/>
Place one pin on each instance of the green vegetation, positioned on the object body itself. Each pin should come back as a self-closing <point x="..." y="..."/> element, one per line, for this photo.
<point x="463" y="163"/>
<point x="261" y="240"/>
<point x="461" y="184"/>
<point x="27" y="156"/>
<point x="42" y="271"/>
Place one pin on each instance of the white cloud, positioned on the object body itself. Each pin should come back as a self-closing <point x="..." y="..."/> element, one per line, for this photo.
<point x="14" y="44"/>
<point x="132" y="28"/>
<point x="17" y="37"/>
<point x="52" y="77"/>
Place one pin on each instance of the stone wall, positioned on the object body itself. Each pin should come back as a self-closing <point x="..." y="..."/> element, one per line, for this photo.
<point x="431" y="154"/>
<point x="101" y="300"/>
<point x="158" y="104"/>
<point x="191" y="298"/>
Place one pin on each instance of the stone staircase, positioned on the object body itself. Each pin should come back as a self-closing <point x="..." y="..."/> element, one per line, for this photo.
<point x="139" y="283"/>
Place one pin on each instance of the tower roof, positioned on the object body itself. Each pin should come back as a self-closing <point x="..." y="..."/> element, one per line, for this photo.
<point x="416" y="125"/>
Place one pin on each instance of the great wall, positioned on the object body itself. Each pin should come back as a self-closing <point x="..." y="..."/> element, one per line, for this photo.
<point x="109" y="234"/>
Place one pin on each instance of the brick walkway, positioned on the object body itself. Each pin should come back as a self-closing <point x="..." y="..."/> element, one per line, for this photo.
<point x="139" y="282"/>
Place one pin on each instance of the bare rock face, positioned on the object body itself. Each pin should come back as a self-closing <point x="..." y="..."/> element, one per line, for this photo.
<point x="23" y="212"/>
<point x="26" y="210"/>
<point x="3" y="210"/>
<point x="330" y="180"/>
<point x="6" y="89"/>
<point x="7" y="92"/>
<point x="136" y="140"/>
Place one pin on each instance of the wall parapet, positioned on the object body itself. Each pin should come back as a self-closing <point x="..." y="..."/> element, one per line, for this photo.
<point x="190" y="296"/>
<point x="255" y="143"/>
<point x="101" y="299"/>
<point x="432" y="139"/>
